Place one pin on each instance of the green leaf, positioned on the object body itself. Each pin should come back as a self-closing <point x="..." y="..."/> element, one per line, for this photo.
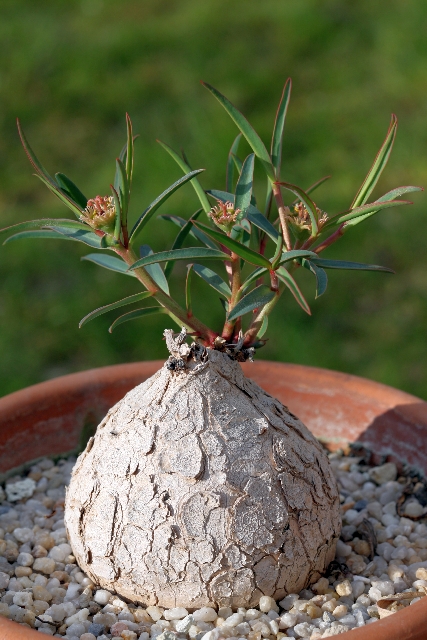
<point x="287" y="256"/>
<point x="34" y="235"/>
<point x="289" y="281"/>
<point x="342" y="264"/>
<point x="188" y="305"/>
<point x="276" y="142"/>
<point x="80" y="235"/>
<point x="237" y="162"/>
<point x="181" y="254"/>
<point x="213" y="279"/>
<point x="113" y="305"/>
<point x="135" y="315"/>
<point x="248" y="131"/>
<point x="244" y="252"/>
<point x="262" y="223"/>
<point x="186" y="168"/>
<point x="371" y="208"/>
<point x="263" y="327"/>
<point x="59" y="193"/>
<point x="180" y="238"/>
<point x="129" y="151"/>
<point x="154" y="270"/>
<point x="231" y="162"/>
<point x="32" y="156"/>
<point x="378" y="166"/>
<point x="121" y="187"/>
<point x="161" y="199"/>
<point x="71" y="190"/>
<point x="243" y="196"/>
<point x="308" y="203"/>
<point x="196" y="233"/>
<point x="44" y="223"/>
<point x="321" y="277"/>
<point x="109" y="262"/>
<point x="253" y="276"/>
<point x="59" y="234"/>
<point x="396" y="193"/>
<point x="255" y="299"/>
<point x="313" y="187"/>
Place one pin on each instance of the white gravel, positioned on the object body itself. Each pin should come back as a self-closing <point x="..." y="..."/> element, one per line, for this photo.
<point x="42" y="587"/>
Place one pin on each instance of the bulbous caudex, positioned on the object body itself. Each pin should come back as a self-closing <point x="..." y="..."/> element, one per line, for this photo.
<point x="200" y="488"/>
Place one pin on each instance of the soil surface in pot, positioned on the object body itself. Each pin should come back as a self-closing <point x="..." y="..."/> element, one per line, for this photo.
<point x="382" y="552"/>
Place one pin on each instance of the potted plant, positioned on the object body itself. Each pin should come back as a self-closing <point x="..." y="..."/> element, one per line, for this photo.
<point x="199" y="488"/>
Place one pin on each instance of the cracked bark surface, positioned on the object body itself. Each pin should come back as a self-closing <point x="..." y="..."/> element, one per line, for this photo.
<point x="201" y="489"/>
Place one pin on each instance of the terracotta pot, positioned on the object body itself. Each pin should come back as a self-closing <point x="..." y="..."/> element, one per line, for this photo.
<point x="49" y="418"/>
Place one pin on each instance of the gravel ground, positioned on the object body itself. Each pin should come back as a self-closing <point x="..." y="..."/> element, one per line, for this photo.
<point x="382" y="551"/>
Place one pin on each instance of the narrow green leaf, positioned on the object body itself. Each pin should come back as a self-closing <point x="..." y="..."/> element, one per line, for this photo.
<point x="161" y="199"/>
<point x="129" y="151"/>
<point x="373" y="207"/>
<point x="263" y="328"/>
<point x="196" y="233"/>
<point x="121" y="186"/>
<point x="244" y="252"/>
<point x="59" y="193"/>
<point x="118" y="218"/>
<point x="59" y="234"/>
<point x="262" y="223"/>
<point x="109" y="262"/>
<point x="181" y="254"/>
<point x="213" y="279"/>
<point x="287" y="256"/>
<point x="188" y="305"/>
<point x="43" y="224"/>
<point x="237" y="162"/>
<point x="186" y="168"/>
<point x="378" y="166"/>
<point x="231" y="162"/>
<point x="180" y="238"/>
<point x="34" y="235"/>
<point x="307" y="202"/>
<point x="135" y="315"/>
<point x="313" y="187"/>
<point x="244" y="185"/>
<point x="343" y="264"/>
<point x="321" y="277"/>
<point x="261" y="271"/>
<point x="32" y="156"/>
<point x="80" y="235"/>
<point x="289" y="281"/>
<point x="255" y="299"/>
<point x="246" y="128"/>
<point x="396" y="193"/>
<point x="113" y="305"/>
<point x="277" y="139"/>
<point x="154" y="270"/>
<point x="71" y="190"/>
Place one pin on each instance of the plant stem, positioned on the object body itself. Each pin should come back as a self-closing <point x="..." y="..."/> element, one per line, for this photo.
<point x="195" y="326"/>
<point x="332" y="238"/>
<point x="227" y="332"/>
<point x="256" y="323"/>
<point x="283" y="213"/>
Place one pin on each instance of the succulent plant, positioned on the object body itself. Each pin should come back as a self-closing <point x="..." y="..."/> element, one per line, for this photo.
<point x="198" y="487"/>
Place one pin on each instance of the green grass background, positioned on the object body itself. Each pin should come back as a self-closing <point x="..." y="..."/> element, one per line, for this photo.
<point x="71" y="69"/>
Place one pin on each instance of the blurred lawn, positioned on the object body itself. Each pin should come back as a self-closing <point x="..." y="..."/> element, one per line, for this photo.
<point x="71" y="69"/>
